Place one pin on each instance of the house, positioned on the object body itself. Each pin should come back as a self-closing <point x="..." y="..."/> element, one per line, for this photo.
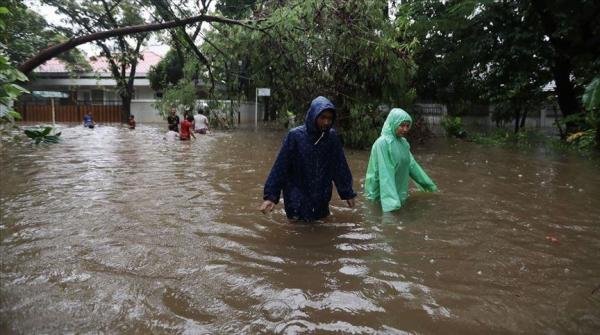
<point x="94" y="91"/>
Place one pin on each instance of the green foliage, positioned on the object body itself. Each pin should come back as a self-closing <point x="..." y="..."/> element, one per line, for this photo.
<point x="591" y="97"/>
<point x="500" y="52"/>
<point x="503" y="137"/>
<point x="453" y="127"/>
<point x="236" y="9"/>
<point x="9" y="87"/>
<point x="167" y="72"/>
<point x="27" y="33"/>
<point x="181" y="95"/>
<point x="42" y="135"/>
<point x="583" y="141"/>
<point x="349" y="51"/>
<point x="366" y="120"/>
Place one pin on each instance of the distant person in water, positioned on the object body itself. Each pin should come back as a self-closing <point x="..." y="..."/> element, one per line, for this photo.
<point x="186" y="129"/>
<point x="131" y="122"/>
<point x="392" y="165"/>
<point x="310" y="160"/>
<point x="173" y="119"/>
<point x="200" y="123"/>
<point x="171" y="135"/>
<point x="88" y="120"/>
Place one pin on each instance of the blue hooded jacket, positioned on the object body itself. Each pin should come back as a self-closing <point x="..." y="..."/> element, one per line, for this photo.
<point x="308" y="162"/>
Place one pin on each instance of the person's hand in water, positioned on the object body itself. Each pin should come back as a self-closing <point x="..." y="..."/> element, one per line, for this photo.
<point x="350" y="202"/>
<point x="267" y="206"/>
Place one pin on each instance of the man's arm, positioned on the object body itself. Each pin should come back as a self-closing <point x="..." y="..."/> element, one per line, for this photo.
<point x="342" y="175"/>
<point x="277" y="176"/>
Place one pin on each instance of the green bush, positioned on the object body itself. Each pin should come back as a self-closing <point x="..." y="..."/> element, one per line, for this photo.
<point x="583" y="140"/>
<point x="453" y="127"/>
<point x="363" y="125"/>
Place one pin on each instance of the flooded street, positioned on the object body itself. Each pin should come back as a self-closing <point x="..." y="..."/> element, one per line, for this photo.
<point x="119" y="231"/>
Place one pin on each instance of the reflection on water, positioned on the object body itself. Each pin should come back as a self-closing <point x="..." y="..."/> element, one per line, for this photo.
<point x="120" y="231"/>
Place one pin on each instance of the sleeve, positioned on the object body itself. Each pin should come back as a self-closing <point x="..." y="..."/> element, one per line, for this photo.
<point x="424" y="183"/>
<point x="279" y="172"/>
<point x="388" y="190"/>
<point x="342" y="177"/>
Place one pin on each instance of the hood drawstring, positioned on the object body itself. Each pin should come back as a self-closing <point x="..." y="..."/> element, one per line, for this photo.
<point x="322" y="134"/>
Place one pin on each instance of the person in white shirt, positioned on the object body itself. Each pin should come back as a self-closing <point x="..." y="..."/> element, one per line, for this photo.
<point x="200" y="123"/>
<point x="171" y="135"/>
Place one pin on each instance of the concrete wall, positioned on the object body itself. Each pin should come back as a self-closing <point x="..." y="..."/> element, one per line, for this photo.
<point x="144" y="93"/>
<point x="144" y="112"/>
<point x="542" y="119"/>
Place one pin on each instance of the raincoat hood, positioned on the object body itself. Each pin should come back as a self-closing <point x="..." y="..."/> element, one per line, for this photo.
<point x="317" y="106"/>
<point x="393" y="121"/>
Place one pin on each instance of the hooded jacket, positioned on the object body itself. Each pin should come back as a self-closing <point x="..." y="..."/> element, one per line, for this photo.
<point x="308" y="162"/>
<point x="391" y="164"/>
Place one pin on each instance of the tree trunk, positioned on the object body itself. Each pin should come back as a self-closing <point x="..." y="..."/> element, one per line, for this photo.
<point x="598" y="139"/>
<point x="561" y="67"/>
<point x="565" y="91"/>
<point x="125" y="108"/>
<point x="517" y="118"/>
<point x="523" y="119"/>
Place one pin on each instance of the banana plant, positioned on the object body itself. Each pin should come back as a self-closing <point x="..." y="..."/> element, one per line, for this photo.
<point x="42" y="135"/>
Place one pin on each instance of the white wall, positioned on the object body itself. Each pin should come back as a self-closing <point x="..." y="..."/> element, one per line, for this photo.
<point x="144" y="112"/>
<point x="144" y="93"/>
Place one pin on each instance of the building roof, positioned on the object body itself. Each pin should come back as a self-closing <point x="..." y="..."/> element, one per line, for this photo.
<point x="100" y="64"/>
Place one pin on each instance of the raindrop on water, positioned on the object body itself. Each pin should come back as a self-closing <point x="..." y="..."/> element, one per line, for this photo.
<point x="275" y="310"/>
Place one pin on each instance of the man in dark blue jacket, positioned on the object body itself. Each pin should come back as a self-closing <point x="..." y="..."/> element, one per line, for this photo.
<point x="310" y="159"/>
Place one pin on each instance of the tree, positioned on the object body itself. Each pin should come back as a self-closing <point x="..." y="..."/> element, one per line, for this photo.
<point x="349" y="51"/>
<point x="236" y="9"/>
<point x="122" y="54"/>
<point x="9" y="85"/>
<point x="505" y="51"/>
<point x="57" y="49"/>
<point x="167" y="72"/>
<point x="27" y="32"/>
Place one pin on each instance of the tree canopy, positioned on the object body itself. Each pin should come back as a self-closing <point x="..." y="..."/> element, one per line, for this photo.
<point x="508" y="53"/>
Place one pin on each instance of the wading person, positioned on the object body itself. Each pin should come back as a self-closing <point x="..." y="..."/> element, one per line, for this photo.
<point x="173" y="119"/>
<point x="200" y="123"/>
<point x="171" y="135"/>
<point x="131" y="122"/>
<point x="311" y="158"/>
<point x="186" y="129"/>
<point x="391" y="164"/>
<point x="88" y="120"/>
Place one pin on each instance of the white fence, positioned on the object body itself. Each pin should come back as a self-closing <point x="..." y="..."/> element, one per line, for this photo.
<point x="543" y="119"/>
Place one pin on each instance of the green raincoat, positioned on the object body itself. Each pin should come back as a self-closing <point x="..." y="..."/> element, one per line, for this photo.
<point x="391" y="164"/>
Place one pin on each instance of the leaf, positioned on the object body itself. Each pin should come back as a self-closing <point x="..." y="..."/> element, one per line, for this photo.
<point x="591" y="97"/>
<point x="32" y="133"/>
<point x="46" y="131"/>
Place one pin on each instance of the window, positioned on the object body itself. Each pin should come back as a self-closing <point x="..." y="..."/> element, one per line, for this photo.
<point x="84" y="96"/>
<point x="97" y="97"/>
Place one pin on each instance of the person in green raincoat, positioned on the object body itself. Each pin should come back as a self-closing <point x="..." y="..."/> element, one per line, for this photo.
<point x="391" y="164"/>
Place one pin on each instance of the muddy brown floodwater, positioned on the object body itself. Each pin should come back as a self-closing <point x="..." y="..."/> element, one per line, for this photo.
<point x="119" y="231"/>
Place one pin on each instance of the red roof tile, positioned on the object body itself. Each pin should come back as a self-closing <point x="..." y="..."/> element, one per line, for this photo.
<point x="100" y="64"/>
